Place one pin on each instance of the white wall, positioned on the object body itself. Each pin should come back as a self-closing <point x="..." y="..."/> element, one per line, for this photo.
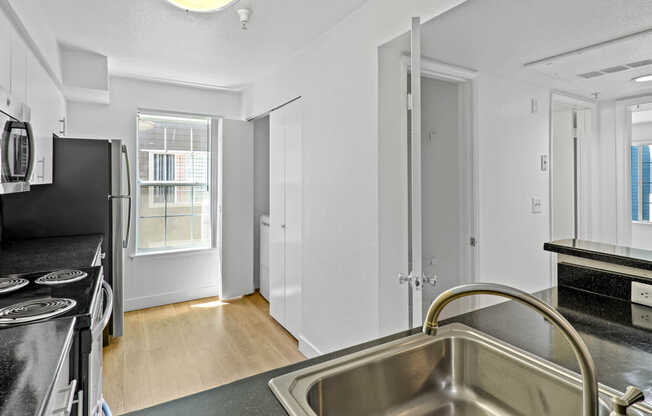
<point x="510" y="141"/>
<point x="158" y="279"/>
<point x="261" y="184"/>
<point x="337" y="78"/>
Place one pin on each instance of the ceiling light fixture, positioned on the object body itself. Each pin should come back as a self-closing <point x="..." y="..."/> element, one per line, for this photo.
<point x="643" y="78"/>
<point x="203" y="6"/>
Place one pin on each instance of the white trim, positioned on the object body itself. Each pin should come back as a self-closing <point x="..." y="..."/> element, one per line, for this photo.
<point x="177" y="252"/>
<point x="433" y="68"/>
<point x="161" y="299"/>
<point x="308" y="349"/>
<point x="176" y="82"/>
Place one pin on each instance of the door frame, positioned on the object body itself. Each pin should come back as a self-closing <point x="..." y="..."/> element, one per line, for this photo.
<point x="585" y="148"/>
<point x="465" y="78"/>
<point x="623" y="166"/>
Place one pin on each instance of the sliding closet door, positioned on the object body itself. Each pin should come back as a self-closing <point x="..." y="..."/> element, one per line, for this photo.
<point x="293" y="217"/>
<point x="286" y="217"/>
<point x="277" y="215"/>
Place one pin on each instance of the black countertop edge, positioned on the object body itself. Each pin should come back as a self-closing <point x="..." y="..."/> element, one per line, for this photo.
<point x="608" y="253"/>
<point x="62" y="359"/>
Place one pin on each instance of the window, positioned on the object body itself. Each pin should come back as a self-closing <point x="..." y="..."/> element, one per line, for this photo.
<point x="174" y="188"/>
<point x="641" y="182"/>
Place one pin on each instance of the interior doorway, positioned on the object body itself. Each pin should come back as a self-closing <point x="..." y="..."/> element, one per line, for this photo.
<point x="443" y="160"/>
<point x="571" y="135"/>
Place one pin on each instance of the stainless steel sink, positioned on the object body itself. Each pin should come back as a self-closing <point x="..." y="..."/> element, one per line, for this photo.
<point x="459" y="371"/>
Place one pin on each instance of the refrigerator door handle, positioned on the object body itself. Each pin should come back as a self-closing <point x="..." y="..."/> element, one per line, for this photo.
<point x="125" y="242"/>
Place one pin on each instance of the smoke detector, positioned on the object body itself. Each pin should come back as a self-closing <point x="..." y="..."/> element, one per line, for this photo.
<point x="244" y="15"/>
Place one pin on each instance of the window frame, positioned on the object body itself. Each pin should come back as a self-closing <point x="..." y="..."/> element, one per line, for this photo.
<point x="639" y="185"/>
<point x="211" y="183"/>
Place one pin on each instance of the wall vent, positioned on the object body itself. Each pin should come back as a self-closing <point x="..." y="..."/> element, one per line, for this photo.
<point x="615" y="69"/>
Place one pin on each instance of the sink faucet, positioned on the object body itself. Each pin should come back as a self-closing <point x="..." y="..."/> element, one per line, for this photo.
<point x="590" y="382"/>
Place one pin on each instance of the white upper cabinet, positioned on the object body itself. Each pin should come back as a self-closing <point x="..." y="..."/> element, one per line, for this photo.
<point x="18" y="69"/>
<point x="6" y="33"/>
<point x="27" y="82"/>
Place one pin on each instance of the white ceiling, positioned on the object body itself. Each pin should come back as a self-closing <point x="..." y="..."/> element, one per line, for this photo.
<point x="500" y="36"/>
<point x="152" y="38"/>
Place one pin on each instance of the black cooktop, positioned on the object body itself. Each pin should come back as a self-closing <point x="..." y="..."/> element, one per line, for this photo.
<point x="82" y="291"/>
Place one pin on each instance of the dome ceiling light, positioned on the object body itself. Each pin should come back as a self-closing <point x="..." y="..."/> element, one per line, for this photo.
<point x="203" y="6"/>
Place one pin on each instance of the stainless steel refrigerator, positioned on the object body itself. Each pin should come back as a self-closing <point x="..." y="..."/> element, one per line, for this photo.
<point x="90" y="194"/>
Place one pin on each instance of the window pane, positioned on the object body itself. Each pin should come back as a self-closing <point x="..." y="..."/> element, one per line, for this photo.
<point x="634" y="183"/>
<point x="201" y="232"/>
<point x="179" y="231"/>
<point x="151" y="233"/>
<point x="646" y="163"/>
<point x="152" y="201"/>
<point x="179" y="200"/>
<point x="172" y="152"/>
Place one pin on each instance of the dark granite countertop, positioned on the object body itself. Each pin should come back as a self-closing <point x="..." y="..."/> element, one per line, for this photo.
<point x="46" y="254"/>
<point x="622" y="351"/>
<point x="30" y="358"/>
<point x="625" y="256"/>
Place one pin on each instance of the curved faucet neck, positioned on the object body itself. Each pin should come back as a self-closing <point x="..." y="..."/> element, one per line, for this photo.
<point x="590" y="383"/>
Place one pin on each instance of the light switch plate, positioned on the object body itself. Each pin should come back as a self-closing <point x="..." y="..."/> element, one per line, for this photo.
<point x="642" y="293"/>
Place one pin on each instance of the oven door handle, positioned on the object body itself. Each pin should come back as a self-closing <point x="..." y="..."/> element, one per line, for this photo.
<point x="108" y="307"/>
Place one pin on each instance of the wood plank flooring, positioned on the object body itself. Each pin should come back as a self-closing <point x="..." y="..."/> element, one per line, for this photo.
<point x="175" y="350"/>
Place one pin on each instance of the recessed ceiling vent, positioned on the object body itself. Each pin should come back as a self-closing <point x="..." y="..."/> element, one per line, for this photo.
<point x="615" y="69"/>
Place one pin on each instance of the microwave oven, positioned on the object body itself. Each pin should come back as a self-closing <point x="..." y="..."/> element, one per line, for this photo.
<point x="16" y="155"/>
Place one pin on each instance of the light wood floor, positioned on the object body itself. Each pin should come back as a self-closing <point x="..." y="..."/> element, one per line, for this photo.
<point x="176" y="350"/>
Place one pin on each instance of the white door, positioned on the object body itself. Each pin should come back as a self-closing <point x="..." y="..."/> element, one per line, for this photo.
<point x="415" y="252"/>
<point x="286" y="217"/>
<point x="277" y="215"/>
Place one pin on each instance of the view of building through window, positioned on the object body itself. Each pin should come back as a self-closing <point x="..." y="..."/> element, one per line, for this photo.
<point x="174" y="208"/>
<point x="641" y="182"/>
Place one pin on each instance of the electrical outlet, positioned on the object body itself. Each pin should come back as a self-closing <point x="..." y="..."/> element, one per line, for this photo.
<point x="642" y="293"/>
<point x="537" y="206"/>
<point x="642" y="316"/>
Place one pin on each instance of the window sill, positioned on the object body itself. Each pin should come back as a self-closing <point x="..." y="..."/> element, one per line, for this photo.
<point x="642" y="222"/>
<point x="182" y="251"/>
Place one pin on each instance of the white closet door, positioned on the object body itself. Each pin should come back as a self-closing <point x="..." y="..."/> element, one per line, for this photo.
<point x="293" y="217"/>
<point x="285" y="217"/>
<point x="277" y="216"/>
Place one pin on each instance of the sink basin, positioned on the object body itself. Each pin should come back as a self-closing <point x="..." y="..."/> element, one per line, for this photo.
<point x="458" y="372"/>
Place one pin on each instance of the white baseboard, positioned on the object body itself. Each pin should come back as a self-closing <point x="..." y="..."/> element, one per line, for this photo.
<point x="308" y="349"/>
<point x="134" y="304"/>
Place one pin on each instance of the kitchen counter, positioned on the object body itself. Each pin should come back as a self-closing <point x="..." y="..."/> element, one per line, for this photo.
<point x="30" y="358"/>
<point x="621" y="350"/>
<point x="46" y="254"/>
<point x="608" y="253"/>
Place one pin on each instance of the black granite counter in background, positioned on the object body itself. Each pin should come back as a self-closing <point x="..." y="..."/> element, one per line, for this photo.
<point x="45" y="254"/>
<point x="622" y="352"/>
<point x="30" y="358"/>
<point x="609" y="253"/>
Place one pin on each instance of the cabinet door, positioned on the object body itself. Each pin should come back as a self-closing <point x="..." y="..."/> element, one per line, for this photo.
<point x="43" y="100"/>
<point x="277" y="216"/>
<point x="6" y="31"/>
<point x="18" y="69"/>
